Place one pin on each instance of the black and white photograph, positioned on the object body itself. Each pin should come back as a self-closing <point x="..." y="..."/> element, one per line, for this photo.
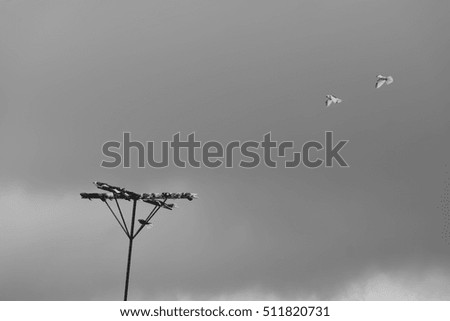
<point x="197" y="150"/>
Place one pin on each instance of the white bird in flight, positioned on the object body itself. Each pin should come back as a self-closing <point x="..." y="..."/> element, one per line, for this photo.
<point x="332" y="100"/>
<point x="381" y="80"/>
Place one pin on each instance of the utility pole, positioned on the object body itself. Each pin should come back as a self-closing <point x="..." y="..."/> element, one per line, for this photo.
<point x="130" y="250"/>
<point x="158" y="200"/>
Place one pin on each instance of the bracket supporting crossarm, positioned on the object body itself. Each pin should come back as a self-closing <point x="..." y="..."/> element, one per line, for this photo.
<point x="121" y="216"/>
<point x="124" y="227"/>
<point x="157" y="207"/>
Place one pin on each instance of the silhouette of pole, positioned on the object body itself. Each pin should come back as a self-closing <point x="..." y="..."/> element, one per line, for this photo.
<point x="158" y="200"/>
<point x="130" y="250"/>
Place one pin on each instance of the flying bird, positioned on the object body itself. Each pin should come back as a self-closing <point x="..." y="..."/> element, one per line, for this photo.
<point x="381" y="80"/>
<point x="332" y="100"/>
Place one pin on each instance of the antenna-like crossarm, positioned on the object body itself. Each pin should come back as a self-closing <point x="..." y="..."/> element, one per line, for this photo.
<point x="160" y="203"/>
<point x="166" y="195"/>
<point x="101" y="196"/>
<point x="118" y="191"/>
<point x="158" y="200"/>
<point x="122" y="193"/>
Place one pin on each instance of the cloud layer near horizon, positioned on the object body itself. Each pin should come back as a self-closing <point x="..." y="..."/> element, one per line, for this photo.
<point x="54" y="243"/>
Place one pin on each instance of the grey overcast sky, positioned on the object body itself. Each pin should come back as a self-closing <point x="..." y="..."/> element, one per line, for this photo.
<point x="75" y="74"/>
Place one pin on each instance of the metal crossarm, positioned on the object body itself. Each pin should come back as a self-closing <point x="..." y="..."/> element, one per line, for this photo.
<point x="166" y="195"/>
<point x="158" y="200"/>
<point x="101" y="196"/>
<point x="160" y="203"/>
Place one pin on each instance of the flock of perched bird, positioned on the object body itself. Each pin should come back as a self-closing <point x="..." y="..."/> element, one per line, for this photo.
<point x="157" y="199"/>
<point x="381" y="80"/>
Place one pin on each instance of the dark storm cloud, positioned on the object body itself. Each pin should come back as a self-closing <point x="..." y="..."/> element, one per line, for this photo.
<point x="78" y="74"/>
